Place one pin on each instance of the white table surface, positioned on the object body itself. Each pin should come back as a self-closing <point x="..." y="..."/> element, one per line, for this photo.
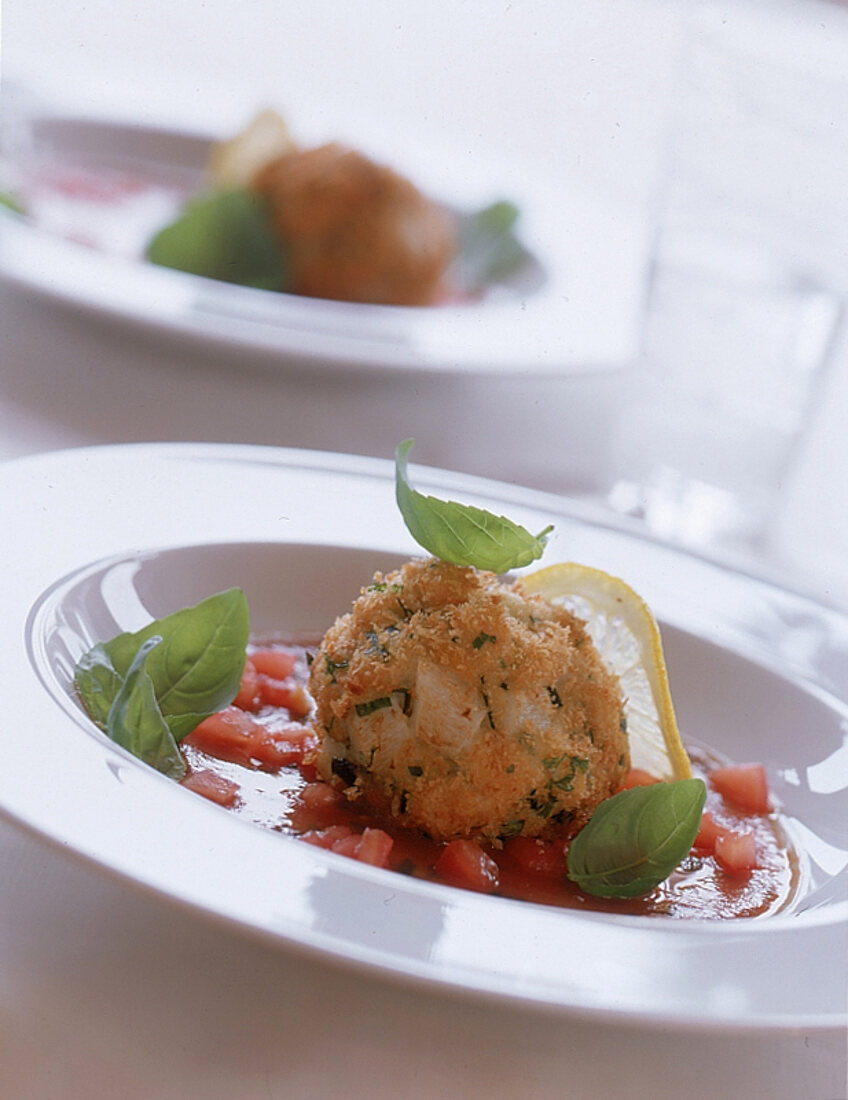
<point x="106" y="992"/>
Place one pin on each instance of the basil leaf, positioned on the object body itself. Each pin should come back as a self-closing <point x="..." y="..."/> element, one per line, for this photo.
<point x="489" y="251"/>
<point x="98" y="682"/>
<point x="225" y="235"/>
<point x="635" y="839"/>
<point x="136" y="722"/>
<point x="461" y="533"/>
<point x="11" y="202"/>
<point x="194" y="670"/>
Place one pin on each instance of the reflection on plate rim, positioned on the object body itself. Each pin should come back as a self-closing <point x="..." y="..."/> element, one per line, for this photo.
<point x="234" y="458"/>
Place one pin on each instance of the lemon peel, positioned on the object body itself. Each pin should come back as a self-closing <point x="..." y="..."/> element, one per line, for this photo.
<point x="627" y="636"/>
<point x="234" y="163"/>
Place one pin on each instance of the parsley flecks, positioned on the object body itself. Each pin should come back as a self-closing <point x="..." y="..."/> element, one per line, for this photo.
<point x="482" y="638"/>
<point x="487" y="703"/>
<point x="344" y="769"/>
<point x="331" y="667"/>
<point x="415" y="770"/>
<point x="375" y="646"/>
<point x="566" y="782"/>
<point x="542" y="806"/>
<point x="364" y="709"/>
<point x="554" y="696"/>
<point x="406" y="701"/>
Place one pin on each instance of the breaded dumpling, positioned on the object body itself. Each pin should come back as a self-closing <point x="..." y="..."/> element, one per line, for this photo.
<point x="465" y="707"/>
<point x="355" y="230"/>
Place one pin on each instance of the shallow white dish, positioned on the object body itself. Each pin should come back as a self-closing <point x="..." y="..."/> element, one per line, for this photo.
<point x="583" y="317"/>
<point x="104" y="538"/>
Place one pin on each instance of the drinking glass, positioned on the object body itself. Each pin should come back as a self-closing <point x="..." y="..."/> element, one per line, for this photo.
<point x="741" y="317"/>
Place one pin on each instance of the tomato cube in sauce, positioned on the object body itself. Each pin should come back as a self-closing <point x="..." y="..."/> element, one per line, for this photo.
<point x="217" y="788"/>
<point x="327" y="838"/>
<point x="464" y="863"/>
<point x="743" y="785"/>
<point x="736" y="853"/>
<point x="539" y="857"/>
<point x="284" y="693"/>
<point x="279" y="664"/>
<point x="235" y="735"/>
<point x="317" y="806"/>
<point x="708" y="833"/>
<point x="248" y="697"/>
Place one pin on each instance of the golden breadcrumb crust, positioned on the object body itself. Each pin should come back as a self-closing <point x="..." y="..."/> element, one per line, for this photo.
<point x="474" y="708"/>
<point x="356" y="231"/>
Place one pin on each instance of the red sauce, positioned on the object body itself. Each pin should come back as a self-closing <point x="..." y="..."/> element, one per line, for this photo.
<point x="253" y="759"/>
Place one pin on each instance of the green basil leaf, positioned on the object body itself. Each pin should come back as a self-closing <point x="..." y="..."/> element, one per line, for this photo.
<point x="635" y="839"/>
<point x="461" y="533"/>
<point x="98" y="682"/>
<point x="195" y="670"/>
<point x="225" y="235"/>
<point x="489" y="251"/>
<point x="136" y="722"/>
<point x="11" y="202"/>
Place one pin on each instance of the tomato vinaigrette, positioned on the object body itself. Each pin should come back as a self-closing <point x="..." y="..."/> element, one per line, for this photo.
<point x="254" y="759"/>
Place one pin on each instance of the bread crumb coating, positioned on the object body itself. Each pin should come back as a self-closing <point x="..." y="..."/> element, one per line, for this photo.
<point x="465" y="707"/>
<point x="355" y="230"/>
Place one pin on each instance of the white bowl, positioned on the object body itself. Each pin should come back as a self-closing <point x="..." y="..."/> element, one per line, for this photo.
<point x="107" y="538"/>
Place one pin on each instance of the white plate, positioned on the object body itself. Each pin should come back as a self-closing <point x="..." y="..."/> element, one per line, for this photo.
<point x="584" y="317"/>
<point x="104" y="538"/>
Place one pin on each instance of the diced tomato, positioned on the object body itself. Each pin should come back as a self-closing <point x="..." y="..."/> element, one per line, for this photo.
<point x="308" y="770"/>
<point x="708" y="833"/>
<point x="230" y="734"/>
<point x="320" y="796"/>
<point x="316" y="806"/>
<point x="284" y="693"/>
<point x="370" y="846"/>
<point x="540" y="857"/>
<point x="348" y="845"/>
<point x="215" y="787"/>
<point x="326" y="838"/>
<point x="464" y="863"/>
<point x="374" y="847"/>
<point x="248" y="697"/>
<point x="276" y="663"/>
<point x="233" y="734"/>
<point x="287" y="746"/>
<point x="638" y="777"/>
<point x="743" y="785"/>
<point x="736" y="853"/>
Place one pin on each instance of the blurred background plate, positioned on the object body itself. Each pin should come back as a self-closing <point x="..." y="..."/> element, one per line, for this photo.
<point x="97" y="189"/>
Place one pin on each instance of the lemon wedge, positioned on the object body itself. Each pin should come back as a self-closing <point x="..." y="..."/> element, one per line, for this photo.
<point x="234" y="163"/>
<point x="627" y="637"/>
